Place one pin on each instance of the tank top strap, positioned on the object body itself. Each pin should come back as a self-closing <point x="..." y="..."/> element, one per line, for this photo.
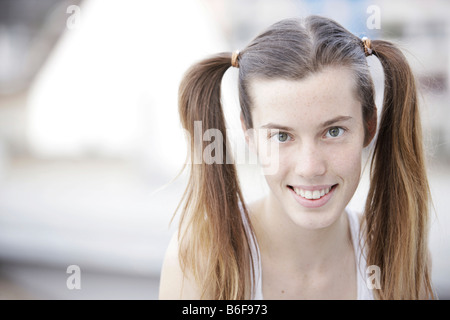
<point x="255" y="254"/>
<point x="363" y="291"/>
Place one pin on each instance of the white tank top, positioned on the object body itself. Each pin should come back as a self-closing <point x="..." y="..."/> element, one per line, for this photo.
<point x="363" y="292"/>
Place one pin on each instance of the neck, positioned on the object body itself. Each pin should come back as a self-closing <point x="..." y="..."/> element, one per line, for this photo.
<point x="302" y="248"/>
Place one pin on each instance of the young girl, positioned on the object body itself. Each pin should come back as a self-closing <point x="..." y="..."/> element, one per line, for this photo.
<point x="305" y="91"/>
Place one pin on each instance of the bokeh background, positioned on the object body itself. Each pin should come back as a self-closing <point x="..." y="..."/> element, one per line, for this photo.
<point x="90" y="140"/>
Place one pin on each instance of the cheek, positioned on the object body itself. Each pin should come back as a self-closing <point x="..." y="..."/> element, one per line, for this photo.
<point x="277" y="161"/>
<point x="269" y="155"/>
<point x="346" y="162"/>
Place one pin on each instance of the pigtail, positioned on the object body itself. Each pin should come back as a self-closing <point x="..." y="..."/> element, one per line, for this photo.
<point x="214" y="244"/>
<point x="397" y="207"/>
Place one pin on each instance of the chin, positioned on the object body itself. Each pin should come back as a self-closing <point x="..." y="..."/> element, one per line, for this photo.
<point x="315" y="220"/>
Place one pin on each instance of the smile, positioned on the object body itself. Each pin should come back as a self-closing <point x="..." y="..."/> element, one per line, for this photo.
<point x="315" y="194"/>
<point x="313" y="197"/>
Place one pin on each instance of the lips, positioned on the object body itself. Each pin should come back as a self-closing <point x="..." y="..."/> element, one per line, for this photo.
<point x="313" y="196"/>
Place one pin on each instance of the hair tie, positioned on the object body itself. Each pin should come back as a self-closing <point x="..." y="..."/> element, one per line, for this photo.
<point x="234" y="59"/>
<point x="367" y="46"/>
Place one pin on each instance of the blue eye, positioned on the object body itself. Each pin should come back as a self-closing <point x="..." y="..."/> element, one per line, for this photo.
<point x="335" y="132"/>
<point x="281" y="137"/>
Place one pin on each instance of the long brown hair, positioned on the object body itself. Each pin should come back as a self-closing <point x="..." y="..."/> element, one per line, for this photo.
<point x="215" y="230"/>
<point x="215" y="247"/>
<point x="397" y="206"/>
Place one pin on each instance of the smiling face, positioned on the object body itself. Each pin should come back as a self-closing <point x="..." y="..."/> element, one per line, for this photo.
<point x="317" y="125"/>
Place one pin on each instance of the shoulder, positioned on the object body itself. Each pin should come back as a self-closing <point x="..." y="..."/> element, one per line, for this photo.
<point x="174" y="284"/>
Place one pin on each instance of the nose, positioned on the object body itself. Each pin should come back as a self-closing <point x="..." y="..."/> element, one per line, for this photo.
<point x="310" y="161"/>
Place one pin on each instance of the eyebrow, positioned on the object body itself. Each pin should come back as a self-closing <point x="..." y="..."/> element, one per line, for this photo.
<point x="337" y="119"/>
<point x="327" y="123"/>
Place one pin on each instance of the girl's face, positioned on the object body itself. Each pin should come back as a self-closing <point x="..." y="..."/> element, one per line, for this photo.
<point x="314" y="128"/>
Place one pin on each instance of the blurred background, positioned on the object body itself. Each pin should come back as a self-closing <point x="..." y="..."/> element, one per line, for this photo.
<point x="90" y="140"/>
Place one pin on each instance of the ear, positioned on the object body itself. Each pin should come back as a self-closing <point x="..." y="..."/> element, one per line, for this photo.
<point x="371" y="128"/>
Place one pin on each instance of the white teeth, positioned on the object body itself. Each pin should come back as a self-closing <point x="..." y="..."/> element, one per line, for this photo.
<point x="302" y="193"/>
<point x="308" y="194"/>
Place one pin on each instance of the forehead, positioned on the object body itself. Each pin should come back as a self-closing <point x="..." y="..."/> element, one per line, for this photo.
<point x="322" y="94"/>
